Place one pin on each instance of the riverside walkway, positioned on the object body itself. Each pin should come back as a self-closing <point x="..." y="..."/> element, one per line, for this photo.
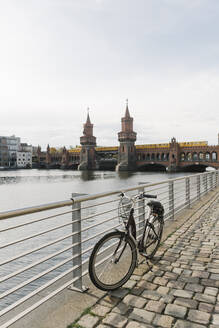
<point x="182" y="291"/>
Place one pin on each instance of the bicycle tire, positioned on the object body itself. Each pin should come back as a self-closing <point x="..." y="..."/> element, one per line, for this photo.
<point x="112" y="275"/>
<point x="153" y="236"/>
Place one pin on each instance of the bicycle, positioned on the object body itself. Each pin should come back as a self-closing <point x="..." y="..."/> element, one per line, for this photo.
<point x="115" y="256"/>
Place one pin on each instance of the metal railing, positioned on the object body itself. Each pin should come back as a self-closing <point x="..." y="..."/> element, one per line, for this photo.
<point x="48" y="248"/>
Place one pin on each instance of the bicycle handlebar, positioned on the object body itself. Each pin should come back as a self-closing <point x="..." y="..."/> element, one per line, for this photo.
<point x="149" y="196"/>
<point x="142" y="195"/>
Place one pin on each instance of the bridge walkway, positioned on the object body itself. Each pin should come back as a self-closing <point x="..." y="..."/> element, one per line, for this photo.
<point x="182" y="291"/>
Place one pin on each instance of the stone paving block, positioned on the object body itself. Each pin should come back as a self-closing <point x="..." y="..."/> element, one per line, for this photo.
<point x="199" y="316"/>
<point x="176" y="284"/>
<point x="216" y="308"/>
<point x="210" y="283"/>
<point x="134" y="301"/>
<point x="205" y="307"/>
<point x="171" y="275"/>
<point x="187" y="324"/>
<point x="215" y="319"/>
<point x="189" y="280"/>
<point x="119" y="293"/>
<point x="155" y="306"/>
<point x="163" y="290"/>
<point x="121" y="308"/>
<point x="160" y="281"/>
<point x="140" y="270"/>
<point x="205" y="298"/>
<point x="182" y="293"/>
<point x="135" y="277"/>
<point x="151" y="295"/>
<point x="149" y="276"/>
<point x="201" y="274"/>
<point x="167" y="298"/>
<point x="194" y="287"/>
<point x="187" y="272"/>
<point x="129" y="284"/>
<point x="211" y="291"/>
<point x="192" y="304"/>
<point x="115" y="320"/>
<point x="109" y="301"/>
<point x="147" y="285"/>
<point x="214" y="276"/>
<point x="137" y="291"/>
<point x="100" y="310"/>
<point x="134" y="324"/>
<point x="175" y="310"/>
<point x="88" y="321"/>
<point x="164" y="321"/>
<point x="177" y="270"/>
<point x="142" y="315"/>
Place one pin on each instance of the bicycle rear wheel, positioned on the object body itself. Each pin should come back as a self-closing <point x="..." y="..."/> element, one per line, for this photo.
<point x="153" y="236"/>
<point x="112" y="261"/>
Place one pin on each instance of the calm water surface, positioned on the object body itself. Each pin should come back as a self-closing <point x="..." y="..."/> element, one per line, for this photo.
<point x="22" y="188"/>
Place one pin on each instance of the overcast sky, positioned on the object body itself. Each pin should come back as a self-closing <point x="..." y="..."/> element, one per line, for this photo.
<point x="58" y="57"/>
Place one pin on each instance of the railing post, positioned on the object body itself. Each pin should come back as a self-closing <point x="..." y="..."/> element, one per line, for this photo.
<point x="216" y="182"/>
<point x="77" y="246"/>
<point x="171" y="199"/>
<point x="187" y="192"/>
<point x="212" y="186"/>
<point x="206" y="183"/>
<point x="198" y="187"/>
<point x="141" y="210"/>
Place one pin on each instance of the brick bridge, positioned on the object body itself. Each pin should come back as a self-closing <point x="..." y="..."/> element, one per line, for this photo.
<point x="172" y="156"/>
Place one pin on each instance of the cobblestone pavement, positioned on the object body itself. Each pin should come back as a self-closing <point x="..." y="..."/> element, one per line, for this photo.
<point x="181" y="292"/>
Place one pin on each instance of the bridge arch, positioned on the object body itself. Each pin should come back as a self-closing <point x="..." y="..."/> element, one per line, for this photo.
<point x="152" y="167"/>
<point x="163" y="156"/>
<point x="207" y="156"/>
<point x="195" y="156"/>
<point x="182" y="157"/>
<point x="189" y="156"/>
<point x="201" y="156"/>
<point x="214" y="156"/>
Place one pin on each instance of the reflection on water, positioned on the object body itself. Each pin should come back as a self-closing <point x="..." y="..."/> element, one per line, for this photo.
<point x="23" y="188"/>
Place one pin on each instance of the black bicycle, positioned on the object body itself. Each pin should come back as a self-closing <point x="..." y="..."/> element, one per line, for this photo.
<point x="115" y="256"/>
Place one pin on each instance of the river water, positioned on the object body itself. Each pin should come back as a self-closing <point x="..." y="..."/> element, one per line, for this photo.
<point x="24" y="188"/>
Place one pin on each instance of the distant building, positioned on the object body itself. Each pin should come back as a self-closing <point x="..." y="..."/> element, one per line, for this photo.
<point x="14" y="154"/>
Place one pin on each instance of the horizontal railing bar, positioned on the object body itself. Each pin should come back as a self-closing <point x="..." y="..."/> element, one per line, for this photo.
<point x="100" y="233"/>
<point x="38" y="303"/>
<point x="79" y="199"/>
<point x="30" y="266"/>
<point x="38" y="248"/>
<point x="37" y="220"/>
<point x="36" y="291"/>
<point x="36" y="235"/>
<point x="100" y="204"/>
<point x="99" y="223"/>
<point x="98" y="214"/>
<point x="39" y="275"/>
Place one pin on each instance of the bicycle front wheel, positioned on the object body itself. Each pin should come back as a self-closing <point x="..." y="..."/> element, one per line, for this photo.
<point x="153" y="236"/>
<point x="112" y="261"/>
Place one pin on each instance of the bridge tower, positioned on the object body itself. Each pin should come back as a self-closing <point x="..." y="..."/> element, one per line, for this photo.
<point x="88" y="143"/>
<point x="174" y="156"/>
<point x="48" y="156"/>
<point x="127" y="138"/>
